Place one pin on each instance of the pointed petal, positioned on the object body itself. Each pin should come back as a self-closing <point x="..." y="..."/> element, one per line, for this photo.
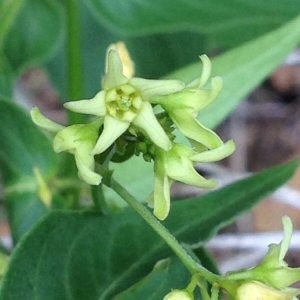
<point x="204" y="98"/>
<point x="44" y="122"/>
<point x="95" y="106"/>
<point x="128" y="65"/>
<point x="85" y="165"/>
<point x="189" y="99"/>
<point x="206" y="70"/>
<point x="113" y="128"/>
<point x="191" y="128"/>
<point x="149" y="88"/>
<point x="114" y="71"/>
<point x="182" y="170"/>
<point x="147" y="121"/>
<point x="287" y="237"/>
<point x="161" y="201"/>
<point x="216" y="154"/>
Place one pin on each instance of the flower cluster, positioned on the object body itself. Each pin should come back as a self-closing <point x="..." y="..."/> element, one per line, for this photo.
<point x="124" y="112"/>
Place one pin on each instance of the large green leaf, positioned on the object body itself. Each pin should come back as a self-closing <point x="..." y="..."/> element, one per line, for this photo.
<point x="154" y="55"/>
<point x="84" y="255"/>
<point x="33" y="34"/>
<point x="228" y="22"/>
<point x="23" y="148"/>
<point x="243" y="68"/>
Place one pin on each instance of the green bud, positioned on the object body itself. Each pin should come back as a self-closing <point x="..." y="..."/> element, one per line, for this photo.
<point x="179" y="295"/>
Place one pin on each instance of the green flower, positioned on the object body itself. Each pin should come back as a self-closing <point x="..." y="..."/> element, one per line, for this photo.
<point x="184" y="106"/>
<point x="125" y="101"/>
<point x="273" y="270"/>
<point x="79" y="140"/>
<point x="177" y="164"/>
<point x="271" y="278"/>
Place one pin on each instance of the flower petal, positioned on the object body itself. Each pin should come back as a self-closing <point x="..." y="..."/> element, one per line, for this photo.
<point x="128" y="65"/>
<point x="161" y="200"/>
<point x="44" y="122"/>
<point x="206" y="70"/>
<point x="147" y="121"/>
<point x="149" y="88"/>
<point x="191" y="128"/>
<point x="114" y="71"/>
<point x="181" y="169"/>
<point x="190" y="100"/>
<point x="287" y="237"/>
<point x="95" y="106"/>
<point x="113" y="128"/>
<point x="85" y="165"/>
<point x="216" y="154"/>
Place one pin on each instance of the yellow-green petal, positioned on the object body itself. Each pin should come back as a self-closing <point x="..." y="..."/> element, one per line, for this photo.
<point x="114" y="71"/>
<point x="149" y="88"/>
<point x="147" y="121"/>
<point x="113" y="129"/>
<point x="161" y="196"/>
<point x="44" y="122"/>
<point x="85" y="165"/>
<point x="181" y="169"/>
<point x="95" y="106"/>
<point x="189" y="126"/>
<point x="216" y="154"/>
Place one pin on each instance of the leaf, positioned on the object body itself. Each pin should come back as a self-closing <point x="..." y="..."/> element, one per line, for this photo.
<point x="23" y="145"/>
<point x="8" y="11"/>
<point x="23" y="148"/>
<point x="33" y="34"/>
<point x="228" y="22"/>
<point x="243" y="68"/>
<point x="166" y="275"/>
<point x="84" y="255"/>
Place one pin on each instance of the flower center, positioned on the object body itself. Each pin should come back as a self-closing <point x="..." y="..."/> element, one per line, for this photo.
<point x="123" y="102"/>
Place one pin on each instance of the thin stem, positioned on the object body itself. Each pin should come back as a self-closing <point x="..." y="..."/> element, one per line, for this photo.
<point x="74" y="58"/>
<point x="187" y="260"/>
<point x="98" y="198"/>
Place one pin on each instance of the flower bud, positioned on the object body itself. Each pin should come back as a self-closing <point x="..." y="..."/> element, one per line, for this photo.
<point x="255" y="290"/>
<point x="179" y="295"/>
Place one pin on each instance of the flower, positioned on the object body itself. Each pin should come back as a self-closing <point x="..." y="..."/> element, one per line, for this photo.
<point x="125" y="100"/>
<point x="179" y="295"/>
<point x="79" y="140"/>
<point x="273" y="270"/>
<point x="184" y="106"/>
<point x="271" y="278"/>
<point x="178" y="164"/>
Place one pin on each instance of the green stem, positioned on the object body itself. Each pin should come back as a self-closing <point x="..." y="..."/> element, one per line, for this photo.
<point x="187" y="260"/>
<point x="98" y="198"/>
<point x="74" y="58"/>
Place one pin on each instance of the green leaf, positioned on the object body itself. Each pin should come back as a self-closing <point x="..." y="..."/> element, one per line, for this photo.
<point x="23" y="148"/>
<point x="33" y="34"/>
<point x="8" y="12"/>
<point x="83" y="255"/>
<point x="228" y="22"/>
<point x="243" y="68"/>
<point x="23" y="145"/>
<point x="166" y="275"/>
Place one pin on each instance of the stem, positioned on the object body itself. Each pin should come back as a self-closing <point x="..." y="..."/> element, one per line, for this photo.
<point x="98" y="198"/>
<point x="187" y="260"/>
<point x="74" y="58"/>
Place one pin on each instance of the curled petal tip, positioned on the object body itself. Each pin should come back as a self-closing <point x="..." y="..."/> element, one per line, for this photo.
<point x="44" y="122"/>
